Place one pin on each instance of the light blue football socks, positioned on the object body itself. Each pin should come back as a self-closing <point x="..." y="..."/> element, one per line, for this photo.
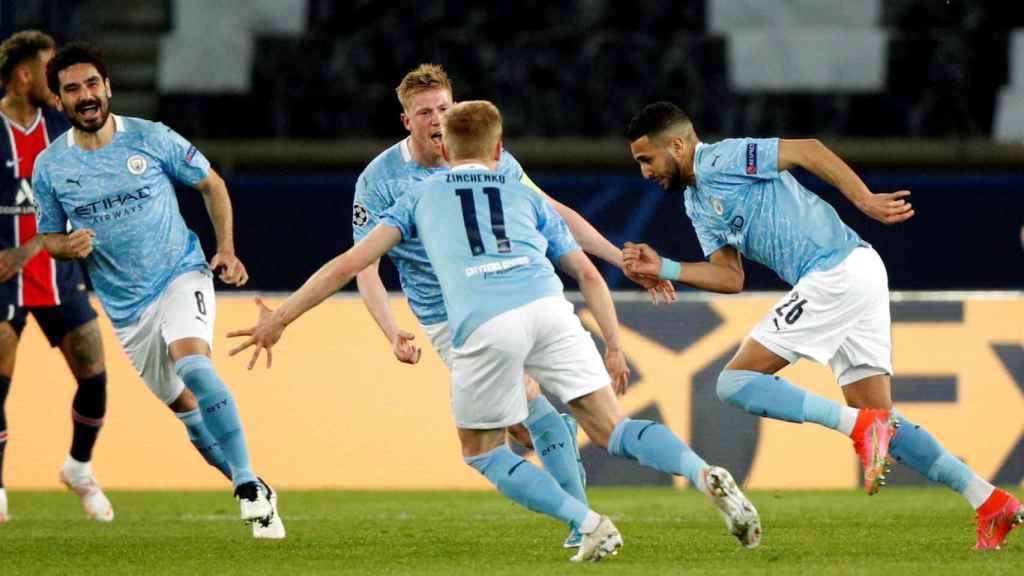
<point x="204" y="442"/>
<point x="529" y="486"/>
<point x="655" y="446"/>
<point x="219" y="413"/>
<point x="555" y="446"/>
<point x="774" y="397"/>
<point x="917" y="449"/>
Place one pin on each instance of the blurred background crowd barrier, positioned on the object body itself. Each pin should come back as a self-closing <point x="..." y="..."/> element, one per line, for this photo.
<point x="315" y="419"/>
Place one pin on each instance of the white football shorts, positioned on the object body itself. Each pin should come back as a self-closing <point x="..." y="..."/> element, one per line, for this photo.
<point x="543" y="338"/>
<point x="186" y="309"/>
<point x="839" y="317"/>
<point x="441" y="341"/>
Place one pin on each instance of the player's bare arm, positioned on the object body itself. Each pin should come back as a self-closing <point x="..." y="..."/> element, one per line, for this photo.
<point x="599" y="300"/>
<point x="76" y="245"/>
<point x="375" y="297"/>
<point x="595" y="244"/>
<point x="722" y="273"/>
<point x="816" y="158"/>
<point x="330" y="278"/>
<point x="218" y="204"/>
<point x="13" y="259"/>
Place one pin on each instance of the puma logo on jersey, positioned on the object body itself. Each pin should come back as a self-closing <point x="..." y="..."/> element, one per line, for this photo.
<point x="75" y="182"/>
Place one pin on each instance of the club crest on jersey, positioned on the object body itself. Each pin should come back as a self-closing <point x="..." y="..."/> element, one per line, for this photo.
<point x="716" y="203"/>
<point x="137" y="164"/>
<point x="360" y="215"/>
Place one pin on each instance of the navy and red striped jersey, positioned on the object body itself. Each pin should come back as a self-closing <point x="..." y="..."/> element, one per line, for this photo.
<point x="37" y="283"/>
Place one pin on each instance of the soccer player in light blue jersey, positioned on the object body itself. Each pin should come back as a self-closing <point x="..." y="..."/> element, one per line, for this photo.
<point x="425" y="94"/>
<point x="106" y="196"/>
<point x="490" y="238"/>
<point x="742" y="200"/>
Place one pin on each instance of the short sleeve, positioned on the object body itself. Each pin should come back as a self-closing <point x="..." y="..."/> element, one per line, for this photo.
<point x="401" y="215"/>
<point x="553" y="227"/>
<point x="50" y="216"/>
<point x="368" y="204"/>
<point x="710" y="241"/>
<point x="738" y="160"/>
<point x="180" y="159"/>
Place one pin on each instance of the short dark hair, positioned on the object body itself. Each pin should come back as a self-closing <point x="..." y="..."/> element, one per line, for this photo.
<point x="68" y="56"/>
<point x="22" y="46"/>
<point x="654" y="119"/>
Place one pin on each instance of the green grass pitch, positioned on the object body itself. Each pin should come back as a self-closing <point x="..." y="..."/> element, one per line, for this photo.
<point x="900" y="531"/>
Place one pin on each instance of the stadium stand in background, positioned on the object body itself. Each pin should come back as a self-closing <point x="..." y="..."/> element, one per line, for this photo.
<point x="295" y="96"/>
<point x="298" y="68"/>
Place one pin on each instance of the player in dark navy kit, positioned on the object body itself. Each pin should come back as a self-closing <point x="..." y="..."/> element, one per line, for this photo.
<point x="53" y="291"/>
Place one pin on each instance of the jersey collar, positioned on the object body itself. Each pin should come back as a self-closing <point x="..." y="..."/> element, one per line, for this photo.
<point x="470" y="166"/>
<point x="696" y="165"/>
<point x="24" y="129"/>
<point x="118" y="127"/>
<point x="404" y="147"/>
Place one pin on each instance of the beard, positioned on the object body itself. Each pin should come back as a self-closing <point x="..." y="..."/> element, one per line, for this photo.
<point x="42" y="98"/>
<point x="91" y="124"/>
<point x="673" y="180"/>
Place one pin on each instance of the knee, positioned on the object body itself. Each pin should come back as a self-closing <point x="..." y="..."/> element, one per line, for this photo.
<point x="729" y="383"/>
<point x="520" y="434"/>
<point x="476" y="443"/>
<point x="185" y="402"/>
<point x="83" y="349"/>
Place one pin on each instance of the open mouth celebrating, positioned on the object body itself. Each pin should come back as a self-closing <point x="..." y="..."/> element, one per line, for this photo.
<point x="89" y="110"/>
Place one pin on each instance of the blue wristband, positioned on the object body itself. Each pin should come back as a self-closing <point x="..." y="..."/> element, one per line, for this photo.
<point x="670" y="269"/>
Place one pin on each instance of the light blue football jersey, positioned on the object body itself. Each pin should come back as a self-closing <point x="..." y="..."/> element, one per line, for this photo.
<point x="490" y="238"/>
<point x="125" y="192"/>
<point x="385" y="180"/>
<point x="741" y="199"/>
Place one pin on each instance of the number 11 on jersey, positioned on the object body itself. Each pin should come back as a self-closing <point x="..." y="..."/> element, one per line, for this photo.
<point x="476" y="243"/>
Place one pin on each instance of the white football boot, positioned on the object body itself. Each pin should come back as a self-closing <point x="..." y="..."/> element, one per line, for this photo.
<point x="79" y="478"/>
<point x="739" y="513"/>
<point x="603" y="541"/>
<point x="269" y="527"/>
<point x="253" y="501"/>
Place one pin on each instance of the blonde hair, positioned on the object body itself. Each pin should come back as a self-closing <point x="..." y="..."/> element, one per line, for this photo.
<point x="424" y="77"/>
<point x="21" y="47"/>
<point x="471" y="129"/>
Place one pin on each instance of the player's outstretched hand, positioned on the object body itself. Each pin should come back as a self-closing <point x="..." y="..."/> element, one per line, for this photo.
<point x="655" y="287"/>
<point x="618" y="369"/>
<point x="641" y="260"/>
<point x="231" y="269"/>
<point x="262" y="336"/>
<point x="403" y="348"/>
<point x="890" y="208"/>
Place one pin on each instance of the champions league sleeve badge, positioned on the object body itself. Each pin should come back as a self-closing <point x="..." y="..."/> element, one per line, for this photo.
<point x="360" y="215"/>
